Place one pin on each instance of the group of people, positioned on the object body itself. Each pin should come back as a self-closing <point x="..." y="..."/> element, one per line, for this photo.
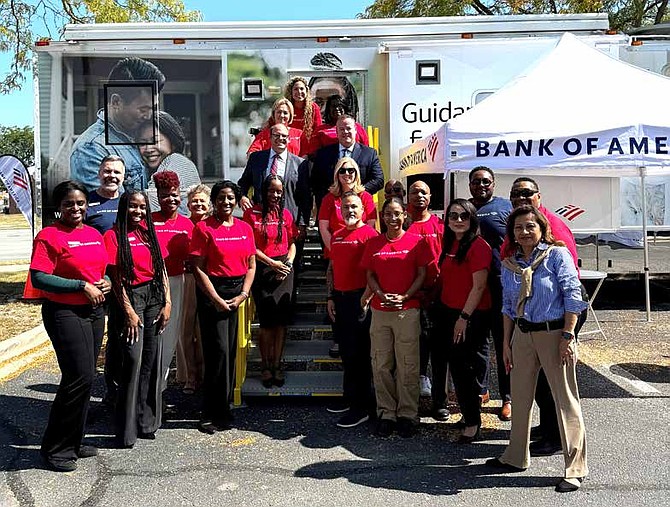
<point x="424" y="290"/>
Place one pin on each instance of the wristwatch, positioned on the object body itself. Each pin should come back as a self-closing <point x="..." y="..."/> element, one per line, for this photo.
<point x="465" y="316"/>
<point x="567" y="335"/>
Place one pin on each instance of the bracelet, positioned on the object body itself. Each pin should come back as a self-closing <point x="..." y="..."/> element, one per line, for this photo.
<point x="465" y="316"/>
<point x="288" y="264"/>
<point x="245" y="294"/>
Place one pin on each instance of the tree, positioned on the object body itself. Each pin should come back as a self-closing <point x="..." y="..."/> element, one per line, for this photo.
<point x="18" y="141"/>
<point x="19" y="18"/>
<point x="624" y="14"/>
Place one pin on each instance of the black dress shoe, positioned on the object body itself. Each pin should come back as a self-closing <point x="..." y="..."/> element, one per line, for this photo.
<point x="545" y="448"/>
<point x="87" y="451"/>
<point x="566" y="486"/>
<point x="407" y="428"/>
<point x="465" y="439"/>
<point x="496" y="463"/>
<point x="59" y="465"/>
<point x="206" y="427"/>
<point x="385" y="428"/>
<point x="440" y="414"/>
<point x="536" y="433"/>
<point x="147" y="436"/>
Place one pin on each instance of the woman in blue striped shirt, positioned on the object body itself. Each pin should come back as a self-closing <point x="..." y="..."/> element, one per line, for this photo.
<point x="541" y="302"/>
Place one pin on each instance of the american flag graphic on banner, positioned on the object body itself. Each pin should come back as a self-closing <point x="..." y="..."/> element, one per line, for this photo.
<point x="21" y="179"/>
<point x="570" y="211"/>
<point x="15" y="177"/>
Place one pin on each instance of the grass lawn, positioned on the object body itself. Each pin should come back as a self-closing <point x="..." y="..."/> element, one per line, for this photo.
<point x="15" y="316"/>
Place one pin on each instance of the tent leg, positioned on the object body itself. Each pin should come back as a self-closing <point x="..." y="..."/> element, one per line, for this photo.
<point x="645" y="242"/>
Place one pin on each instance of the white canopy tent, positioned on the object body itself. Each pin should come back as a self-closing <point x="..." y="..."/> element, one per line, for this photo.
<point x="577" y="110"/>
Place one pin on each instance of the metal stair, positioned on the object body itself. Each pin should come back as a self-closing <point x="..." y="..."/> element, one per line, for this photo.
<point x="309" y="370"/>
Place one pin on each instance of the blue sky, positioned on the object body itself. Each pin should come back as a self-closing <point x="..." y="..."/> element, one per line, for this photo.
<point x="17" y="107"/>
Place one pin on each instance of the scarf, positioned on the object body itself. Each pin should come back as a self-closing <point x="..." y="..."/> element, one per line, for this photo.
<point x="526" y="290"/>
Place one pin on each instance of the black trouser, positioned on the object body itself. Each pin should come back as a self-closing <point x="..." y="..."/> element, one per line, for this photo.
<point x="426" y="320"/>
<point x="139" y="403"/>
<point x="353" y="335"/>
<point x="498" y="336"/>
<point x="219" y="346"/>
<point x="113" y="348"/>
<point x="543" y="396"/>
<point x="76" y="335"/>
<point x="467" y="360"/>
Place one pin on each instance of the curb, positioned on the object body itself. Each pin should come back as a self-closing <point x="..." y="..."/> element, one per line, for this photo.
<point x="20" y="350"/>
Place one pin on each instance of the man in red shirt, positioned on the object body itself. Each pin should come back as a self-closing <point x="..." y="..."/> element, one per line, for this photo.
<point x="431" y="228"/>
<point x="347" y="284"/>
<point x="546" y="436"/>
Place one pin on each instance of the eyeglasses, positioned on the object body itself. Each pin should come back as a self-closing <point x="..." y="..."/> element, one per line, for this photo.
<point x="346" y="170"/>
<point x="463" y="216"/>
<point x="522" y="192"/>
<point x="485" y="182"/>
<point x="279" y="136"/>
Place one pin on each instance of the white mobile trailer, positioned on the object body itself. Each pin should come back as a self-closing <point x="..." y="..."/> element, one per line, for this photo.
<point x="406" y="75"/>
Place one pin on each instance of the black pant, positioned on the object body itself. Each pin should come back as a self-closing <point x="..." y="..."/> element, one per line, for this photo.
<point x="219" y="346"/>
<point x="113" y="356"/>
<point x="353" y="335"/>
<point x="426" y="320"/>
<point x="139" y="402"/>
<point x="543" y="396"/>
<point x="498" y="336"/>
<point x="467" y="360"/>
<point x="76" y="335"/>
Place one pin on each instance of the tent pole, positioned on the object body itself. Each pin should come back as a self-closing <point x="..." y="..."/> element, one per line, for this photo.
<point x="645" y="242"/>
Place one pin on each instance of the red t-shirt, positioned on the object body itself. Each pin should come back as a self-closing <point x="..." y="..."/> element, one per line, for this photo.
<point x="456" y="279"/>
<point x="396" y="262"/>
<point x="226" y="249"/>
<point x="140" y="251"/>
<point x="175" y="236"/>
<point x="268" y="245"/>
<point x="347" y="249"/>
<point x="299" y="117"/>
<point x="331" y="210"/>
<point x="76" y="254"/>
<point x="263" y="142"/>
<point x="432" y="230"/>
<point x="326" y="134"/>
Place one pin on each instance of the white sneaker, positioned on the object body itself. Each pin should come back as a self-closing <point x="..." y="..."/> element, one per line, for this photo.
<point x="426" y="387"/>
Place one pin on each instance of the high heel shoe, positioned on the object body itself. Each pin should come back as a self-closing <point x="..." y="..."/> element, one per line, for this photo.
<point x="266" y="378"/>
<point x="465" y="439"/>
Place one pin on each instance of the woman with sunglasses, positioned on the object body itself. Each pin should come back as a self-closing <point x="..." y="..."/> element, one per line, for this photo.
<point x="396" y="268"/>
<point x="346" y="178"/>
<point x="282" y="113"/>
<point x="141" y="286"/>
<point x="462" y="316"/>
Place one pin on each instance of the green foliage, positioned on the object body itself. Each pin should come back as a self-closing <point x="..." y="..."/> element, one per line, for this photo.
<point x="624" y="14"/>
<point x="18" y="19"/>
<point x="18" y="141"/>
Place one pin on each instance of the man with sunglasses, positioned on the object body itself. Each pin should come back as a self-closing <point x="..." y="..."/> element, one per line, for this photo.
<point x="492" y="212"/>
<point x="546" y="438"/>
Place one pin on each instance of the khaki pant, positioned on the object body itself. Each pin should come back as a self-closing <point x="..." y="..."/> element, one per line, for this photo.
<point x="395" y="362"/>
<point x="189" y="347"/>
<point x="530" y="351"/>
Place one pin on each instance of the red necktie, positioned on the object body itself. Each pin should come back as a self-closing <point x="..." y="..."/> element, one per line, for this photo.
<point x="275" y="164"/>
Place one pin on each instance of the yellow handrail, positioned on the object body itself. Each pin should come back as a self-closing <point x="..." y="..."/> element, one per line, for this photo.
<point x="245" y="316"/>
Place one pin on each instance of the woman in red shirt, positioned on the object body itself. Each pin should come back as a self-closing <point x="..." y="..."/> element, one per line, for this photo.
<point x="68" y="265"/>
<point x="275" y="234"/>
<point x="282" y="112"/>
<point x="462" y="316"/>
<point x="189" y="347"/>
<point x="396" y="267"/>
<point x="224" y="264"/>
<point x="174" y="234"/>
<point x="141" y="286"/>
<point x="307" y="112"/>
<point x="346" y="178"/>
<point x="326" y="133"/>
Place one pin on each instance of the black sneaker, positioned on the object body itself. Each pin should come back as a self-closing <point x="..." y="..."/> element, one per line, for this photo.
<point x="406" y="427"/>
<point x="385" y="428"/>
<point x="59" y="465"/>
<point x="440" y="414"/>
<point x="87" y="451"/>
<point x="352" y="418"/>
<point x="338" y="408"/>
<point x="545" y="447"/>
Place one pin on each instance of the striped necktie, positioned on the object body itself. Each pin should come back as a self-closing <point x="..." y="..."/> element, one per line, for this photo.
<point x="275" y="165"/>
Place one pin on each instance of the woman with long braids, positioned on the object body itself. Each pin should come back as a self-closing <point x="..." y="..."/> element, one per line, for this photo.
<point x="68" y="265"/>
<point x="462" y="316"/>
<point x="275" y="233"/>
<point x="306" y="112"/>
<point x="224" y="263"/>
<point x="396" y="268"/>
<point x="174" y="233"/>
<point x="141" y="286"/>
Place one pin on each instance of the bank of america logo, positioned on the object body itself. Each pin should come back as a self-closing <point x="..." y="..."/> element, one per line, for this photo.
<point x="432" y="147"/>
<point x="570" y="211"/>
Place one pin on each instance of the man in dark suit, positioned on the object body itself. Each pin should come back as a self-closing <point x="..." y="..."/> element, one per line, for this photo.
<point x="325" y="159"/>
<point x="292" y="169"/>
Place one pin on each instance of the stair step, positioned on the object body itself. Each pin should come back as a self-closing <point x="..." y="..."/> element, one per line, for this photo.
<point x="298" y="383"/>
<point x="296" y="351"/>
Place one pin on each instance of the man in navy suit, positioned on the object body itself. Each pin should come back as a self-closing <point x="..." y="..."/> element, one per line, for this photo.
<point x="325" y="159"/>
<point x="292" y="169"/>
